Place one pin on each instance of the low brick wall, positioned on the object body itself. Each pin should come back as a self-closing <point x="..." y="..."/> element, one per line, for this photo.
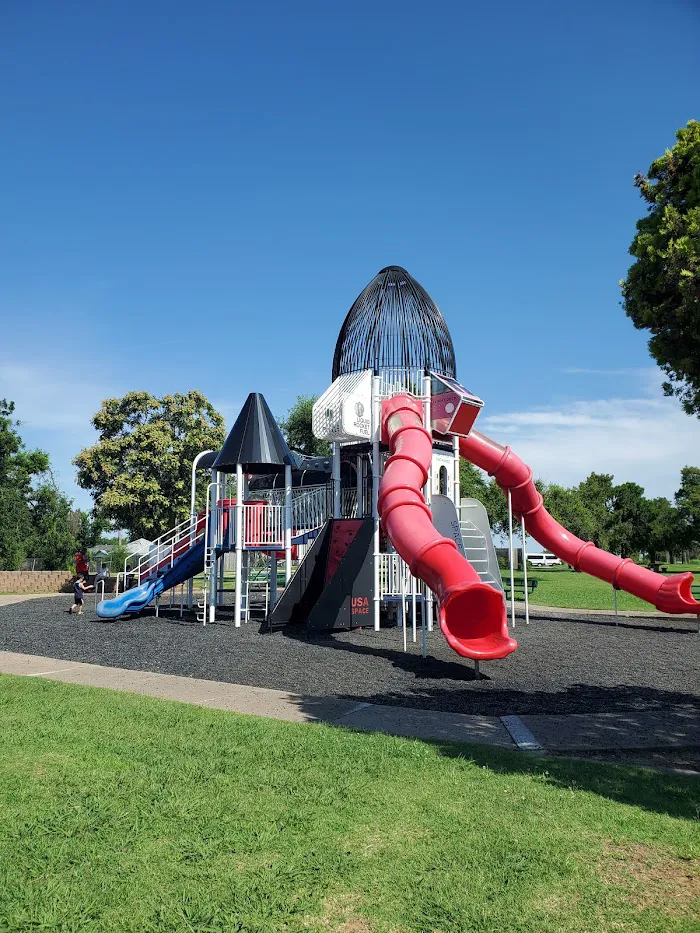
<point x="42" y="581"/>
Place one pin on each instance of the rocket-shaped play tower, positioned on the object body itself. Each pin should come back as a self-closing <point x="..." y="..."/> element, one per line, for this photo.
<point x="398" y="419"/>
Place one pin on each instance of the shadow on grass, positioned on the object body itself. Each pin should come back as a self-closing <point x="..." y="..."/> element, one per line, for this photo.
<point x="675" y="795"/>
<point x="658" y="791"/>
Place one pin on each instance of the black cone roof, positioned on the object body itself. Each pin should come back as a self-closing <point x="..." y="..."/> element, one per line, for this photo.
<point x="394" y="324"/>
<point x="255" y="441"/>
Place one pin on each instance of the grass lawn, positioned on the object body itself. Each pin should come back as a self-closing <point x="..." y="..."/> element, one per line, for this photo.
<point x="562" y="587"/>
<point x="128" y="813"/>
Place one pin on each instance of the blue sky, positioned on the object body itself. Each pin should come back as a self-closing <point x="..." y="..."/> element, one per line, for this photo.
<point x="193" y="196"/>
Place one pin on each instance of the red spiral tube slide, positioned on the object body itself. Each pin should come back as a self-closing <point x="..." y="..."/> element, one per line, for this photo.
<point x="668" y="594"/>
<point x="472" y="614"/>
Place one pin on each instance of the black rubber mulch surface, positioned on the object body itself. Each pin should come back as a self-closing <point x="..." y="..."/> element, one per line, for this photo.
<point x="571" y="666"/>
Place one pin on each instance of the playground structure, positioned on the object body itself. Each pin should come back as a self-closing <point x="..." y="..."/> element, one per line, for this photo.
<point x="378" y="526"/>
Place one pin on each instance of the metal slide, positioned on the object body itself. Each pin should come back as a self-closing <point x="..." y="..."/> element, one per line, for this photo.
<point x="472" y="613"/>
<point x="188" y="565"/>
<point x="668" y="594"/>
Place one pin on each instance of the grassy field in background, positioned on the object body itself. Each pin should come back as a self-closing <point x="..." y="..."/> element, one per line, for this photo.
<point x="126" y="813"/>
<point x="561" y="587"/>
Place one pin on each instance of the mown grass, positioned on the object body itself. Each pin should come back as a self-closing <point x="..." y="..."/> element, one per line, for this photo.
<point x="561" y="587"/>
<point x="570" y="590"/>
<point x="126" y="813"/>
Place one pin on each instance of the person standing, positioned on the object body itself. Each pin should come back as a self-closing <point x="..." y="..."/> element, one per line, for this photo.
<point x="81" y="565"/>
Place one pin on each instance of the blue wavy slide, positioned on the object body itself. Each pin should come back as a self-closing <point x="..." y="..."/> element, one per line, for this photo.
<point x="136" y="599"/>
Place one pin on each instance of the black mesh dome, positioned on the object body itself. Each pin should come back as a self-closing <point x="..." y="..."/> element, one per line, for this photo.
<point x="394" y="324"/>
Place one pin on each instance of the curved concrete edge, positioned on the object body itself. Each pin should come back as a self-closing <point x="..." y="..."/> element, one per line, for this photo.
<point x="659" y="729"/>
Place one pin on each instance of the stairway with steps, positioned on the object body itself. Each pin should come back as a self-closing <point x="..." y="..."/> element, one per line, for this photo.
<point x="478" y="543"/>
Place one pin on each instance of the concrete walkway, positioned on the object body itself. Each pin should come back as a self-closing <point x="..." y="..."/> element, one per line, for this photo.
<point x="574" y="733"/>
<point x="10" y="599"/>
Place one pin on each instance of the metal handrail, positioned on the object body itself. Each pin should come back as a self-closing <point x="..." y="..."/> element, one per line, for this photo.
<point x="395" y="578"/>
<point x="166" y="549"/>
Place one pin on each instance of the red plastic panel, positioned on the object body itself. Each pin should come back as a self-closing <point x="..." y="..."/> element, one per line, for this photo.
<point x="343" y="533"/>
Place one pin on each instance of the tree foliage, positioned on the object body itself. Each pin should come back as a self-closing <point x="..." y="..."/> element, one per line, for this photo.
<point x="630" y="515"/>
<point x="618" y="518"/>
<point x="569" y="508"/>
<point x="139" y="470"/>
<point x="687" y="501"/>
<point x="87" y="527"/>
<point x="52" y="539"/>
<point x="19" y="467"/>
<point x="297" y="428"/>
<point x="661" y="293"/>
<point x="35" y="518"/>
<point x="473" y="482"/>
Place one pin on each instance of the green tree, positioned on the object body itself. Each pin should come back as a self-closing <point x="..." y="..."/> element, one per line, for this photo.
<point x="687" y="501"/>
<point x="15" y="527"/>
<point x="661" y="528"/>
<point x="473" y="482"/>
<point x="597" y="493"/>
<point x="298" y="431"/>
<point x="628" y="528"/>
<point x="52" y="539"/>
<point x="569" y="508"/>
<point x="87" y="527"/>
<point x="661" y="293"/>
<point x="139" y="470"/>
<point x="19" y="468"/>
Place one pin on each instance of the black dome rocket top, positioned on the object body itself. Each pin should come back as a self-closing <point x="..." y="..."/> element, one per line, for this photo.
<point x="255" y="441"/>
<point x="394" y="324"/>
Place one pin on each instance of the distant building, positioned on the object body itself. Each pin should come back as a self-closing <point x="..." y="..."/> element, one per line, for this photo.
<point x="101" y="554"/>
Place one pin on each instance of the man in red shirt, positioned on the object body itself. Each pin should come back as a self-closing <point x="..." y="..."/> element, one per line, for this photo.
<point x="81" y="565"/>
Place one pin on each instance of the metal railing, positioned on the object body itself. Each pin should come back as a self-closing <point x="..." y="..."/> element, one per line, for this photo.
<point x="396" y="580"/>
<point x="264" y="518"/>
<point x="166" y="549"/>
<point x="263" y="527"/>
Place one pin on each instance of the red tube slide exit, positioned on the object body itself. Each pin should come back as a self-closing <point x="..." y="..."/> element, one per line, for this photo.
<point x="472" y="614"/>
<point x="668" y="594"/>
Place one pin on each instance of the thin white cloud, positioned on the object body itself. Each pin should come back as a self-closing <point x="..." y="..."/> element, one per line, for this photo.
<point x="642" y="440"/>
<point x="623" y="371"/>
<point x="50" y="400"/>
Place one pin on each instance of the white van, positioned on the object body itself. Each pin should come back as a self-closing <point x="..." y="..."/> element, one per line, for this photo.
<point x="543" y="560"/>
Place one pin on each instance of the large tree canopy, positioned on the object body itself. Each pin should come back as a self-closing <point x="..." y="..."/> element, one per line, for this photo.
<point x="661" y="293"/>
<point x="139" y="470"/>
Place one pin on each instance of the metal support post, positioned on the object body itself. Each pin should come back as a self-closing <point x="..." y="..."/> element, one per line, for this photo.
<point x="212" y="544"/>
<point x="239" y="546"/>
<point x="358" y="476"/>
<point x="220" y="586"/>
<point x="455" y="481"/>
<point x="404" y="620"/>
<point x="336" y="479"/>
<point x="615" y="602"/>
<point x="273" y="580"/>
<point x="413" y="608"/>
<point x="510" y="560"/>
<point x="376" y="433"/>
<point x="428" y="488"/>
<point x="527" y="597"/>
<point x="288" y="521"/>
<point x="193" y="519"/>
